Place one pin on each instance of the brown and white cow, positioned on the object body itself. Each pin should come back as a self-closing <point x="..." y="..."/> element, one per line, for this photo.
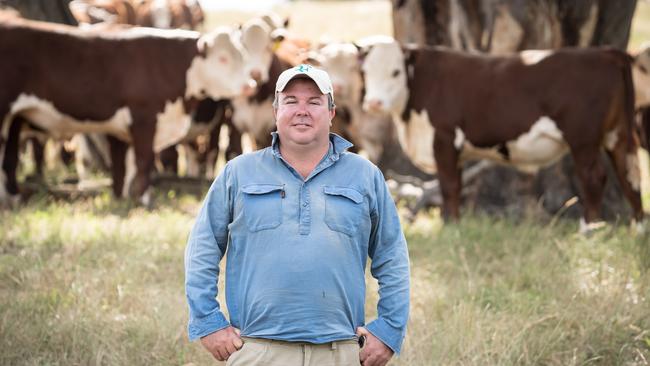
<point x="527" y="110"/>
<point x="164" y="14"/>
<point x="138" y="85"/>
<point x="373" y="134"/>
<point x="254" y="114"/>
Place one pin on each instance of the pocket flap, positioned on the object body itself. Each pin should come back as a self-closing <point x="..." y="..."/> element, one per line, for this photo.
<point x="349" y="193"/>
<point x="261" y="188"/>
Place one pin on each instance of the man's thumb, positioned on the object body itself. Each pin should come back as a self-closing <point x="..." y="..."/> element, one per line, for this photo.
<point x="362" y="331"/>
<point x="237" y="331"/>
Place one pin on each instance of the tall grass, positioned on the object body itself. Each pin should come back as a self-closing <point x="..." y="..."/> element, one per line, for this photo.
<point x="99" y="282"/>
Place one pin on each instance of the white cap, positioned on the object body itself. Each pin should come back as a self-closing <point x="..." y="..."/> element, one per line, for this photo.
<point x="320" y="77"/>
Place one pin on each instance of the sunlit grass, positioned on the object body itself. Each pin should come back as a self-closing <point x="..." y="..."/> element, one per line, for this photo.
<point x="96" y="281"/>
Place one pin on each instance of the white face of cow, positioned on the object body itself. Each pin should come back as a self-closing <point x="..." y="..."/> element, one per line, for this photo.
<point x="385" y="79"/>
<point x="161" y="15"/>
<point x="256" y="38"/>
<point x="641" y="77"/>
<point x="222" y="73"/>
<point x="341" y="61"/>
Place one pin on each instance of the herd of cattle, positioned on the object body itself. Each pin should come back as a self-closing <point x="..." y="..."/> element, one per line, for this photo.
<point x="142" y="91"/>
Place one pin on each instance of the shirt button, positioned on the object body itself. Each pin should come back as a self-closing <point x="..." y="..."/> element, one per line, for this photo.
<point x="305" y="204"/>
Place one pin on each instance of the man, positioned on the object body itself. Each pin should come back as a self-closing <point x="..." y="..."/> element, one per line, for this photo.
<point x="300" y="219"/>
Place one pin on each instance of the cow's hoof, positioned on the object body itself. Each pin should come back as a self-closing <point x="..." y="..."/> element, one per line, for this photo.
<point x="146" y="200"/>
<point x="639" y="228"/>
<point x="588" y="229"/>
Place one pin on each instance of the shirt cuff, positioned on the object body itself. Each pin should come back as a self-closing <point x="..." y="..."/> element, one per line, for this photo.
<point x="200" y="327"/>
<point x="390" y="336"/>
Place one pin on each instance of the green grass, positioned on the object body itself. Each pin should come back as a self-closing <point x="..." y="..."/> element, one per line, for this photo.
<point x="96" y="281"/>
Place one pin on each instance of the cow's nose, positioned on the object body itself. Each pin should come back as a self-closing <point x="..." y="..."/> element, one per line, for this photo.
<point x="249" y="88"/>
<point x="256" y="74"/>
<point x="338" y="88"/>
<point x="373" y="105"/>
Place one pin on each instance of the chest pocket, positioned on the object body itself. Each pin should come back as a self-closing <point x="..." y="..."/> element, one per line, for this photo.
<point x="262" y="206"/>
<point x="344" y="209"/>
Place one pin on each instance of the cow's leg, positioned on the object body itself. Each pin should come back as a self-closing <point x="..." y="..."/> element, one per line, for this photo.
<point x="169" y="159"/>
<point x="10" y="156"/>
<point x="212" y="150"/>
<point x="592" y="177"/>
<point x="117" y="150"/>
<point x="144" y="159"/>
<point x="234" y="148"/>
<point x="39" y="154"/>
<point x="193" y="159"/>
<point x="626" y="164"/>
<point x="449" y="174"/>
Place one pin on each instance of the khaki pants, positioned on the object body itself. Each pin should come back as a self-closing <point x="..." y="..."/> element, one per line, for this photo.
<point x="266" y="352"/>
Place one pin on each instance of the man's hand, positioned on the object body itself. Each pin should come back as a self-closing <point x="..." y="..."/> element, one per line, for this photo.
<point x="223" y="342"/>
<point x="374" y="351"/>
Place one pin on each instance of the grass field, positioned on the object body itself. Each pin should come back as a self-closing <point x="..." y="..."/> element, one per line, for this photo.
<point x="96" y="281"/>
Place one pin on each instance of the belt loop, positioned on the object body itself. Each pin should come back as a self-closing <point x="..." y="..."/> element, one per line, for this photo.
<point x="333" y="346"/>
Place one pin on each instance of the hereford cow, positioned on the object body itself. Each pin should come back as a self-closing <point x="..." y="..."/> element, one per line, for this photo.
<point x="527" y="110"/>
<point x="164" y="14"/>
<point x="139" y="85"/>
<point x="374" y="134"/>
<point x="254" y="114"/>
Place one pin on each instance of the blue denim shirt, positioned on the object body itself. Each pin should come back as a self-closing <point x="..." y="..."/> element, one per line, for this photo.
<point x="297" y="250"/>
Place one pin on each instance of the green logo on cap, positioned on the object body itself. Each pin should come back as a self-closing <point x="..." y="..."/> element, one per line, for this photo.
<point x="303" y="68"/>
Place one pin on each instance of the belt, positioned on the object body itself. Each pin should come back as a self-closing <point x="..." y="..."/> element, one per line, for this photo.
<point x="330" y="345"/>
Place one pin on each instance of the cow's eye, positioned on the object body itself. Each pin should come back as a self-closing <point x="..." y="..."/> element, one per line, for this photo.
<point x="643" y="69"/>
<point x="395" y="73"/>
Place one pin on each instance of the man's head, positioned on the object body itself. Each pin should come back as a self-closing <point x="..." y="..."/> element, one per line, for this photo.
<point x="304" y="106"/>
<point x="318" y="76"/>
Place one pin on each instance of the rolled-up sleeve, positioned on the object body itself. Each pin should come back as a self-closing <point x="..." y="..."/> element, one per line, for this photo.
<point x="205" y="247"/>
<point x="390" y="266"/>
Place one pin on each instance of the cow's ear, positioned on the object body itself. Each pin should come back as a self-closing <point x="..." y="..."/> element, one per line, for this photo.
<point x="642" y="68"/>
<point x="202" y="44"/>
<point x="278" y="35"/>
<point x="362" y="52"/>
<point x="313" y="58"/>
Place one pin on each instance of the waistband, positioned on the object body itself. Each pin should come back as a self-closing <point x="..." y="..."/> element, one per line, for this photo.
<point x="277" y="342"/>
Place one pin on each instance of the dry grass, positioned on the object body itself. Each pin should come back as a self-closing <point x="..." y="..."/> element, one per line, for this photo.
<point x="99" y="282"/>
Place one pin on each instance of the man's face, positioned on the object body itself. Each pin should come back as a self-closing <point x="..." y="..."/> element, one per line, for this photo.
<point x="302" y="117"/>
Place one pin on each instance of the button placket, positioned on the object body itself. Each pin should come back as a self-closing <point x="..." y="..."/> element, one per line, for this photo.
<point x="305" y="210"/>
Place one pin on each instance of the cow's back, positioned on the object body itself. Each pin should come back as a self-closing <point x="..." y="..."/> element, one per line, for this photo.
<point x="106" y="71"/>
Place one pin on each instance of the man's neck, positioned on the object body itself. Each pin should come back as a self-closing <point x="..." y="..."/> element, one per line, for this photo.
<point x="303" y="158"/>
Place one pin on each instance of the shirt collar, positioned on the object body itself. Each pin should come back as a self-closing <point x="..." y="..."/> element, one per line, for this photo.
<point x="337" y="145"/>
